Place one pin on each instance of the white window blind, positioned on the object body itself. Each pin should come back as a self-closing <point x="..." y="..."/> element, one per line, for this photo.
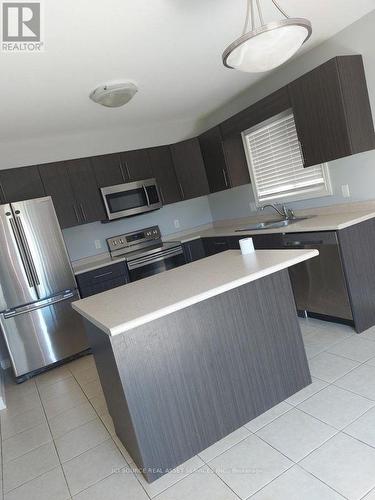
<point x="276" y="163"/>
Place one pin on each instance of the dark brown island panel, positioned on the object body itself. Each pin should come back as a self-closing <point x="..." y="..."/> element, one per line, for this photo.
<point x="180" y="383"/>
<point x="357" y="245"/>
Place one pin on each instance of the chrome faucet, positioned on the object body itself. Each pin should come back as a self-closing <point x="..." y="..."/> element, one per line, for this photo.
<point x="285" y="212"/>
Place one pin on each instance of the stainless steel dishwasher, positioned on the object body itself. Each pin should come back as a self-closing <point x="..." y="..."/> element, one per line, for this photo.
<point x="319" y="284"/>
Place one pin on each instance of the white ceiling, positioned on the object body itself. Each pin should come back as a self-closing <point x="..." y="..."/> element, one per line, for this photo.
<point x="170" y="48"/>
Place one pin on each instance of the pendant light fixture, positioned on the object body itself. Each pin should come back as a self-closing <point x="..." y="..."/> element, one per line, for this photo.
<point x="268" y="45"/>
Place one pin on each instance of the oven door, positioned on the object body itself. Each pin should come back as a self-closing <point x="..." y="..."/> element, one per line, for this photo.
<point x="148" y="265"/>
<point x="124" y="200"/>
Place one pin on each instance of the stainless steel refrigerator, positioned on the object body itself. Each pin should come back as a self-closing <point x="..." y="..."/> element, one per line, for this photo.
<point x="37" y="287"/>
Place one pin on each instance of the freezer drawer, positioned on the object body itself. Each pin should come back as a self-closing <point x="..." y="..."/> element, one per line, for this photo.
<point x="44" y="335"/>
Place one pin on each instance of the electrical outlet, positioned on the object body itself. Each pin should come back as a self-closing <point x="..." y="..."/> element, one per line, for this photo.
<point x="345" y="190"/>
<point x="176" y="223"/>
<point x="98" y="244"/>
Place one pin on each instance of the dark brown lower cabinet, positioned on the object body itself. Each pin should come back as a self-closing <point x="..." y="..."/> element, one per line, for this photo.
<point x="165" y="175"/>
<point x="194" y="250"/>
<point x="18" y="184"/>
<point x="216" y="245"/>
<point x="356" y="246"/>
<point x="102" y="279"/>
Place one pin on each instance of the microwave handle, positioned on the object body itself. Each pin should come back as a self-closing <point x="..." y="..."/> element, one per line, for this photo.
<point x="146" y="193"/>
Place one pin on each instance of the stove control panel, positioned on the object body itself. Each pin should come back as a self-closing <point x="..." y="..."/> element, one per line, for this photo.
<point x="140" y="238"/>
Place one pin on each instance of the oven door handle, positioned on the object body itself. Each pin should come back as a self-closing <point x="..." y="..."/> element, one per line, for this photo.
<point x="151" y="259"/>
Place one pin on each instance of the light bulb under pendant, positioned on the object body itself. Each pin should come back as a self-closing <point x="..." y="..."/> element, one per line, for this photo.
<point x="268" y="46"/>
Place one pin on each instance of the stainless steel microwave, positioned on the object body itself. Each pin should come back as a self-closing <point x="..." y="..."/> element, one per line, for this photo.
<point x="132" y="198"/>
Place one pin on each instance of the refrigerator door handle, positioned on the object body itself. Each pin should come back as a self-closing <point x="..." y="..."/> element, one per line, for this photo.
<point x="39" y="305"/>
<point x="27" y="249"/>
<point x="22" y="253"/>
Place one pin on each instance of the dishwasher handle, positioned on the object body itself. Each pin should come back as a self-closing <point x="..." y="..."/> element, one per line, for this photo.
<point x="303" y="243"/>
<point x="310" y="239"/>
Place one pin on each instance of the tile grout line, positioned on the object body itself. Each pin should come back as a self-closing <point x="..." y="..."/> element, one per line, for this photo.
<point x="251" y="432"/>
<point x="54" y="444"/>
<point x="269" y="482"/>
<point x="229" y="487"/>
<point x="338" y="431"/>
<point x="296" y="464"/>
<point x="33" y="479"/>
<point x="99" y="416"/>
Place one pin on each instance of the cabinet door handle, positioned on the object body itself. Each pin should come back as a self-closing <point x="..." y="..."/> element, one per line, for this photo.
<point x="127" y="170"/>
<point x="191" y="255"/>
<point x="122" y="171"/>
<point x="225" y="178"/>
<point x="227" y="182"/>
<point x="83" y="212"/>
<point x="220" y="242"/>
<point x="2" y="192"/>
<point x="182" y="191"/>
<point x="76" y="213"/>
<point x="103" y="274"/>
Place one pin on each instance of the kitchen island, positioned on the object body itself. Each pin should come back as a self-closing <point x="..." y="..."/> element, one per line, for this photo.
<point x="188" y="356"/>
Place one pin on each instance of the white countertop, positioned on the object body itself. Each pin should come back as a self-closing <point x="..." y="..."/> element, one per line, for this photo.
<point x="121" y="309"/>
<point x="318" y="222"/>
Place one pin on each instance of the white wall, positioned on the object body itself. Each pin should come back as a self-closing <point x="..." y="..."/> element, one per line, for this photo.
<point x="80" y="240"/>
<point x="90" y="143"/>
<point x="357" y="171"/>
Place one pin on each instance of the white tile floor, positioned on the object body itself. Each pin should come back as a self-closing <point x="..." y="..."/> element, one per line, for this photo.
<point x="58" y="440"/>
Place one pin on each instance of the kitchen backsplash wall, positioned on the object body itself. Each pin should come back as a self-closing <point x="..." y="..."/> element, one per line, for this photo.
<point x="239" y="202"/>
<point x="80" y="240"/>
<point x="358" y="171"/>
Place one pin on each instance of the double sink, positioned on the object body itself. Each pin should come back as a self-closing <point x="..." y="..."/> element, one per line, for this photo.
<point x="272" y="224"/>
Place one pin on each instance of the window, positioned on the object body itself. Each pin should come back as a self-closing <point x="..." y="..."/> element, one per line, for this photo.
<point x="276" y="163"/>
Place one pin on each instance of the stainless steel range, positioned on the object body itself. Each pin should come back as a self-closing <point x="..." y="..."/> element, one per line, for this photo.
<point x="145" y="253"/>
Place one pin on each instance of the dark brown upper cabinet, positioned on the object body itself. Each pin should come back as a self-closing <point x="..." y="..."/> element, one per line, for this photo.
<point x="332" y="110"/>
<point x="189" y="167"/>
<point x="57" y="185"/>
<point x="165" y="175"/>
<point x="108" y="170"/>
<point x="235" y="158"/>
<point x="136" y="165"/>
<point x="224" y="159"/>
<point x="211" y="144"/>
<point x="272" y="105"/>
<point x="86" y="192"/>
<point x="18" y="184"/>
